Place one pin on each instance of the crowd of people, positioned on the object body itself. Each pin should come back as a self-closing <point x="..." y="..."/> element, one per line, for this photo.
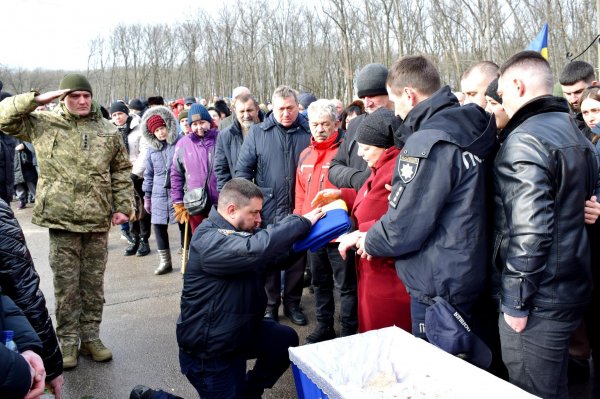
<point x="480" y="200"/>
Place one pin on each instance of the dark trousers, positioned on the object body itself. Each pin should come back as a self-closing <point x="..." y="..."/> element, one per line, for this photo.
<point x="226" y="377"/>
<point x="141" y="227"/>
<point x="293" y="283"/>
<point x="329" y="270"/>
<point x="161" y="235"/>
<point x="537" y="357"/>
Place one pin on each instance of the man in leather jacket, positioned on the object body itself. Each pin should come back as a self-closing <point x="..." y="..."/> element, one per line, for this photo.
<point x="543" y="174"/>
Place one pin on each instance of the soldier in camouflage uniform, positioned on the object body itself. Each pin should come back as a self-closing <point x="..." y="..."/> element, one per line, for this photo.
<point x="83" y="186"/>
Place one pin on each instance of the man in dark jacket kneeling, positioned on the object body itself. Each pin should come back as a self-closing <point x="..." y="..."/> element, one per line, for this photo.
<point x="223" y="300"/>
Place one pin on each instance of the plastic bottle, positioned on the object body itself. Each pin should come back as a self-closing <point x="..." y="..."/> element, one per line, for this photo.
<point x="7" y="340"/>
<point x="48" y="393"/>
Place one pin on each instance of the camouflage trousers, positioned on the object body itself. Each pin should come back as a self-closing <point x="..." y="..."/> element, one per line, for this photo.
<point x="78" y="261"/>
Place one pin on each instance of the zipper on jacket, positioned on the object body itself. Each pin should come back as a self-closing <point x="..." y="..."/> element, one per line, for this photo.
<point x="308" y="184"/>
<point x="321" y="182"/>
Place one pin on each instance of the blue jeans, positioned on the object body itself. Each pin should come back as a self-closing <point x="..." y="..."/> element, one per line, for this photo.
<point x="226" y="377"/>
<point x="537" y="358"/>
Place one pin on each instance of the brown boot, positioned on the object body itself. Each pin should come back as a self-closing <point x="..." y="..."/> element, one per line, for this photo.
<point x="97" y="350"/>
<point x="70" y="353"/>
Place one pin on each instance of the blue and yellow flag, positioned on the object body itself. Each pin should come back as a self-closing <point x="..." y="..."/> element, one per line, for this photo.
<point x="540" y="43"/>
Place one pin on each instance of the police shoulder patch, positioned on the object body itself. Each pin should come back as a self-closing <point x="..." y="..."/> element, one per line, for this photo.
<point x="407" y="168"/>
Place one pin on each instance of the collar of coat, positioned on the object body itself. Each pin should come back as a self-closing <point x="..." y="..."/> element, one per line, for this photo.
<point x="537" y="106"/>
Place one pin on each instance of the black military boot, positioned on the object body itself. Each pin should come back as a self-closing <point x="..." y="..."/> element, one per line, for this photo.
<point x="133" y="246"/>
<point x="144" y="248"/>
<point x="323" y="332"/>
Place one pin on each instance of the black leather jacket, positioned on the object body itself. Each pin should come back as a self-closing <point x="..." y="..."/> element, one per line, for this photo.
<point x="544" y="172"/>
<point x="20" y="281"/>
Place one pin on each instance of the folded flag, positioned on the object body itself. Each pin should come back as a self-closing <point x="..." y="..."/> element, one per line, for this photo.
<point x="335" y="223"/>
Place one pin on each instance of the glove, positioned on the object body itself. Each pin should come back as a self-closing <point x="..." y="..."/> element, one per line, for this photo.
<point x="181" y="214"/>
<point x="134" y="177"/>
<point x="148" y="205"/>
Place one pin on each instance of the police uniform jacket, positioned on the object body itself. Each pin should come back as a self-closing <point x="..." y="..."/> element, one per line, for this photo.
<point x="436" y="223"/>
<point x="270" y="156"/>
<point x="223" y="299"/>
<point x="84" y="170"/>
<point x="544" y="172"/>
<point x="20" y="281"/>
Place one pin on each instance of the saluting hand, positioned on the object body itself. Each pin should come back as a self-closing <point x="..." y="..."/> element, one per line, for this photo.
<point x="49" y="96"/>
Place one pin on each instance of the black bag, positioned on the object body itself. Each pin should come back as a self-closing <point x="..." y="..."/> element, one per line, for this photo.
<point x="196" y="201"/>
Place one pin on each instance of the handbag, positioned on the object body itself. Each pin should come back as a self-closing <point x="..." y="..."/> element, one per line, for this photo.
<point x="196" y="201"/>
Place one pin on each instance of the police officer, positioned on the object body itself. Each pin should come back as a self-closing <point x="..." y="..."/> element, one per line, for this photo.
<point x="223" y="300"/>
<point x="83" y="186"/>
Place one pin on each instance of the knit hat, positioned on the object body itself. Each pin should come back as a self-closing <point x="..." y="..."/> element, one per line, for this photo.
<point x="378" y="128"/>
<point x="370" y="80"/>
<point x="154" y="122"/>
<point x="136" y="104"/>
<point x="118" y="106"/>
<point x="74" y="82"/>
<point x="197" y="112"/>
<point x="306" y="98"/>
<point x="189" y="100"/>
<point x="182" y="115"/>
<point x="492" y="91"/>
<point x="156" y="100"/>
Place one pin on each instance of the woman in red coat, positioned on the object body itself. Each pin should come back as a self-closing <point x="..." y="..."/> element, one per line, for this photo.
<point x="382" y="297"/>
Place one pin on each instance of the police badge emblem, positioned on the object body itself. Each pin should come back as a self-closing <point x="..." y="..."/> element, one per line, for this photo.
<point x="407" y="168"/>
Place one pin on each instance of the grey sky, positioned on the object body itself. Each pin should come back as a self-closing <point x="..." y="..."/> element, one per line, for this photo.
<point x="54" y="34"/>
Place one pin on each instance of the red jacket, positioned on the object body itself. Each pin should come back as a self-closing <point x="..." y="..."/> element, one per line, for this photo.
<point x="312" y="172"/>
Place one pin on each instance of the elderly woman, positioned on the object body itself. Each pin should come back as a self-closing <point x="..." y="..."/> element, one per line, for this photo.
<point x="382" y="297"/>
<point x="193" y="164"/>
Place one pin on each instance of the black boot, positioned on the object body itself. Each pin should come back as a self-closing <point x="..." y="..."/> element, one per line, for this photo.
<point x="323" y="332"/>
<point x="133" y="246"/>
<point x="144" y="248"/>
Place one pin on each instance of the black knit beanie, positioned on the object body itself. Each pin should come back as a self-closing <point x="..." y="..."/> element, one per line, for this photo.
<point x="74" y="82"/>
<point x="118" y="106"/>
<point x="492" y="91"/>
<point x="378" y="128"/>
<point x="136" y="104"/>
<point x="370" y="81"/>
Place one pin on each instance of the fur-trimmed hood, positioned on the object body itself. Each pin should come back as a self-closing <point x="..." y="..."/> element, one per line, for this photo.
<point x="170" y="120"/>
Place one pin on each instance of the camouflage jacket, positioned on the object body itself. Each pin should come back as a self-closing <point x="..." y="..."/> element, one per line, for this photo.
<point x="83" y="164"/>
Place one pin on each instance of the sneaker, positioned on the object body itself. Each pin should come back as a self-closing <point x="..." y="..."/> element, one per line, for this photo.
<point x="22" y="205"/>
<point x="321" y="333"/>
<point x="97" y="350"/>
<point x="69" y="355"/>
<point x="144" y="392"/>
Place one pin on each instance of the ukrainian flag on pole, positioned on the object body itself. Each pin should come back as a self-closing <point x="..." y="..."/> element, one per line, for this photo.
<point x="540" y="43"/>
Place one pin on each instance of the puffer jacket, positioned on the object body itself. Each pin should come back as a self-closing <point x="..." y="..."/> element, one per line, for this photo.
<point x="15" y="377"/>
<point x="544" y="172"/>
<point x="158" y="161"/>
<point x="436" y="225"/>
<point x="84" y="166"/>
<point x="229" y="143"/>
<point x="20" y="281"/>
<point x="191" y="163"/>
<point x="223" y="299"/>
<point x="269" y="156"/>
<point x="347" y="169"/>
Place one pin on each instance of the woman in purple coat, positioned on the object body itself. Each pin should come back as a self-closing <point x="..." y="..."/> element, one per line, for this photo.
<point x="193" y="162"/>
<point x="159" y="127"/>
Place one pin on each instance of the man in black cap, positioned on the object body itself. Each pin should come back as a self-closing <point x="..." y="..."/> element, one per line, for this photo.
<point x="347" y="169"/>
<point x="188" y="101"/>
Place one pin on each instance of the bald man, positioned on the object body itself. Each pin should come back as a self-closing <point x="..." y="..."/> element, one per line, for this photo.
<point x="543" y="174"/>
<point x="475" y="81"/>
